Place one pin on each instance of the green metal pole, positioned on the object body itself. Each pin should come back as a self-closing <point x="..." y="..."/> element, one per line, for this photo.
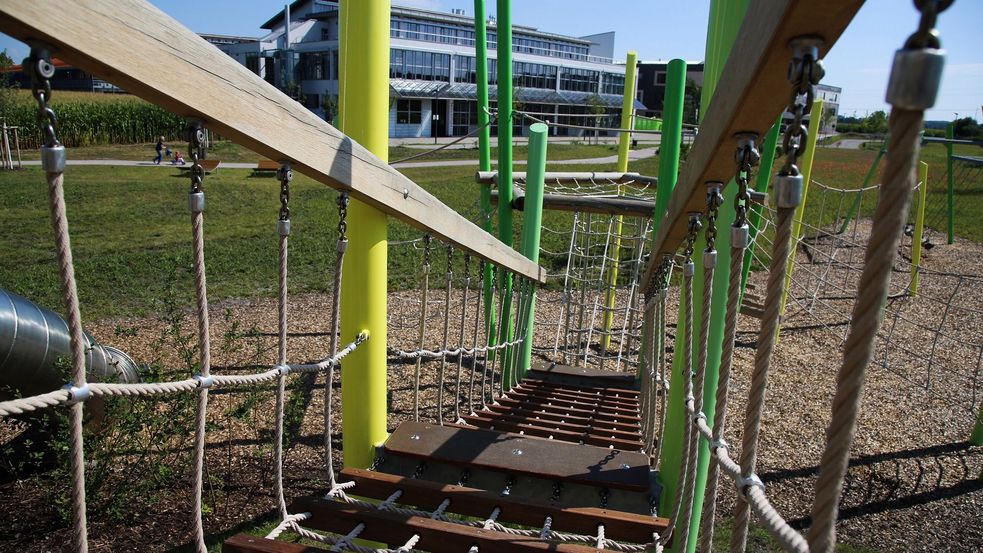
<point x="950" y="133"/>
<point x="624" y="139"/>
<point x="504" y="49"/>
<point x="977" y="437"/>
<point x="484" y="151"/>
<point x="669" y="148"/>
<point x="916" y="240"/>
<point x="723" y="28"/>
<point x="364" y="115"/>
<point x="855" y="207"/>
<point x="532" y="222"/>
<point x="761" y="185"/>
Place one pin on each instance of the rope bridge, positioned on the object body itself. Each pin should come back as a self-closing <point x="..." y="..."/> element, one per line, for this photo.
<point x="487" y="438"/>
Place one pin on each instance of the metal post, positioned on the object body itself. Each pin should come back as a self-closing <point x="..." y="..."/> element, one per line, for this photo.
<point x="950" y="133"/>
<point x="725" y="21"/>
<point x="504" y="49"/>
<point x="624" y="140"/>
<point x="916" y="239"/>
<point x="484" y="148"/>
<point x="364" y="116"/>
<point x="754" y="213"/>
<point x="532" y="222"/>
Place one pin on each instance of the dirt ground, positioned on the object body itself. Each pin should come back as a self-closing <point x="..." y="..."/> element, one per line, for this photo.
<point x="914" y="483"/>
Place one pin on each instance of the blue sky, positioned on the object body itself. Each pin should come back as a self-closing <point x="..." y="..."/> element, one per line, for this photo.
<point x="665" y="29"/>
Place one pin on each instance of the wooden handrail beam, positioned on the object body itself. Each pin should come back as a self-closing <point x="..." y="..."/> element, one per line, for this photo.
<point x="752" y="91"/>
<point x="135" y="46"/>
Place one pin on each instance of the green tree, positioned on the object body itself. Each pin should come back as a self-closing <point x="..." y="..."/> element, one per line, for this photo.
<point x="7" y="86"/>
<point x="596" y="107"/>
<point x="875" y="123"/>
<point x="967" y="127"/>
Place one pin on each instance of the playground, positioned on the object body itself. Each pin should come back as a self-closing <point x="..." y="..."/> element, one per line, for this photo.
<point x="421" y="358"/>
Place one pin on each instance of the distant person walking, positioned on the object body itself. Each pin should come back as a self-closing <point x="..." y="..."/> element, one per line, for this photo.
<point x="160" y="151"/>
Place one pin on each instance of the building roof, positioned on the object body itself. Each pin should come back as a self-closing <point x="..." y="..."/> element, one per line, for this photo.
<point x="466" y="91"/>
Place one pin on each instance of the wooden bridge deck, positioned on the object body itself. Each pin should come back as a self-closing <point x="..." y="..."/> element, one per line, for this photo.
<point x="564" y="444"/>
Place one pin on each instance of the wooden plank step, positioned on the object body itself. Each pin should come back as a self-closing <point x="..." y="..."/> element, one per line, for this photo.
<point x="580" y="427"/>
<point x="597" y="412"/>
<point x="427" y="495"/>
<point x="581" y="376"/>
<point x="583" y="397"/>
<point x="606" y="392"/>
<point x="246" y="543"/>
<point x="553" y="416"/>
<point x="435" y="535"/>
<point x="583" y="464"/>
<point x="560" y="414"/>
<point x="591" y="405"/>
<point x="564" y="410"/>
<point x="752" y="310"/>
<point x="529" y="429"/>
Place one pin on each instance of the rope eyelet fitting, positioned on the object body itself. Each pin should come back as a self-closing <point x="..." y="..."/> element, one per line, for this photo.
<point x="283" y="227"/>
<point x="916" y="75"/>
<point x="720" y="443"/>
<point x="689" y="268"/>
<point x="745" y="482"/>
<point x="196" y="202"/>
<point x="282" y="370"/>
<point x="53" y="158"/>
<point x="204" y="382"/>
<point x="740" y="236"/>
<point x="709" y="259"/>
<point x="77" y="394"/>
<point x="698" y="417"/>
<point x="788" y="190"/>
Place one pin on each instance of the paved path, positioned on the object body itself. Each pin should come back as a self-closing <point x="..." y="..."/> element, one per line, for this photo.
<point x="849" y="143"/>
<point x="632" y="155"/>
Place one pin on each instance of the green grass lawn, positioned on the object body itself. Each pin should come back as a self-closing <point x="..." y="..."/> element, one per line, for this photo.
<point x="228" y="151"/>
<point x="131" y="229"/>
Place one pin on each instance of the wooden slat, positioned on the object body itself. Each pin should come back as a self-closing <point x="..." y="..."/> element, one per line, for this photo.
<point x="752" y="91"/>
<point x="591" y="377"/>
<point x="593" y="405"/>
<point x="606" y="392"/>
<point x="137" y="47"/>
<point x="435" y="535"/>
<point x="543" y="431"/>
<point x="551" y="460"/>
<point x="245" y="543"/>
<point x="479" y="503"/>
<point x="571" y="177"/>
<point x="628" y="207"/>
<point x="576" y="411"/>
<point x="577" y="427"/>
<point x="580" y="396"/>
<point x="559" y="414"/>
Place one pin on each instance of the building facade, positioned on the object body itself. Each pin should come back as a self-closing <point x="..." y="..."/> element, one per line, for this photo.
<point x="433" y="77"/>
<point x="652" y="83"/>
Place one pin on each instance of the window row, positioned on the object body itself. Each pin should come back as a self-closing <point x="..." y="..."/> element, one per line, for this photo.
<point x="421" y="66"/>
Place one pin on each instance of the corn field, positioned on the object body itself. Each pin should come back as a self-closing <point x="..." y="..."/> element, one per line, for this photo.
<point x="108" y="119"/>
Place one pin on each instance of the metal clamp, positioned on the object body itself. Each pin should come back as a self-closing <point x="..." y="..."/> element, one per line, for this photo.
<point x="77" y="394"/>
<point x="204" y="382"/>
<point x="749" y="481"/>
<point x="196" y="202"/>
<point x="720" y="443"/>
<point x="282" y="370"/>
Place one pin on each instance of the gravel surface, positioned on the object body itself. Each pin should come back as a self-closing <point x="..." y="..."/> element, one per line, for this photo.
<point x="914" y="484"/>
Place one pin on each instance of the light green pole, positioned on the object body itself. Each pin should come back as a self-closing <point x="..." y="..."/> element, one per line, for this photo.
<point x="725" y="21"/>
<point x="950" y="133"/>
<point x="532" y="222"/>
<point x="916" y="240"/>
<point x="624" y="139"/>
<point x="754" y="213"/>
<point x="484" y="150"/>
<point x="504" y="49"/>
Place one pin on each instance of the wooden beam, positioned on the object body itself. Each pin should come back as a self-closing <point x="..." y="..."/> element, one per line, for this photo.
<point x="629" y="207"/>
<point x="753" y="90"/>
<point x="137" y="47"/>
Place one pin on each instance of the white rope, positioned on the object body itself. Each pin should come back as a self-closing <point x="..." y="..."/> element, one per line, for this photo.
<point x="204" y="345"/>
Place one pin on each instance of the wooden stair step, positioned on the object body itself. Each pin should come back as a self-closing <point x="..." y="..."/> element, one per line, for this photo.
<point x="552" y="460"/>
<point x="426" y="495"/>
<point x="527" y="429"/>
<point x="583" y="427"/>
<point x="578" y="403"/>
<point x="247" y="543"/>
<point x="605" y="392"/>
<point x="396" y="529"/>
<point x="558" y="414"/>
<point x="628" y="404"/>
<point x="580" y="376"/>
<point x="574" y="409"/>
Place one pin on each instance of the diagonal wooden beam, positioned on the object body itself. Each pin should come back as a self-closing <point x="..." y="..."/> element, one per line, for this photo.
<point x="752" y="91"/>
<point x="137" y="47"/>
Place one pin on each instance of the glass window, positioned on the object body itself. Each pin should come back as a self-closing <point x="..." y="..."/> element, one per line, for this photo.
<point x="409" y="112"/>
<point x="578" y="80"/>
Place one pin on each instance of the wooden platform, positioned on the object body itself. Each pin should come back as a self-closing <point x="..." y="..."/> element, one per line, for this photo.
<point x="564" y="445"/>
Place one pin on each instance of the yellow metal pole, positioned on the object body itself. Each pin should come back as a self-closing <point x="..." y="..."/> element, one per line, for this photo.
<point x="364" y="116"/>
<point x="815" y="120"/>
<point x="916" y="244"/>
<point x="624" y="140"/>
